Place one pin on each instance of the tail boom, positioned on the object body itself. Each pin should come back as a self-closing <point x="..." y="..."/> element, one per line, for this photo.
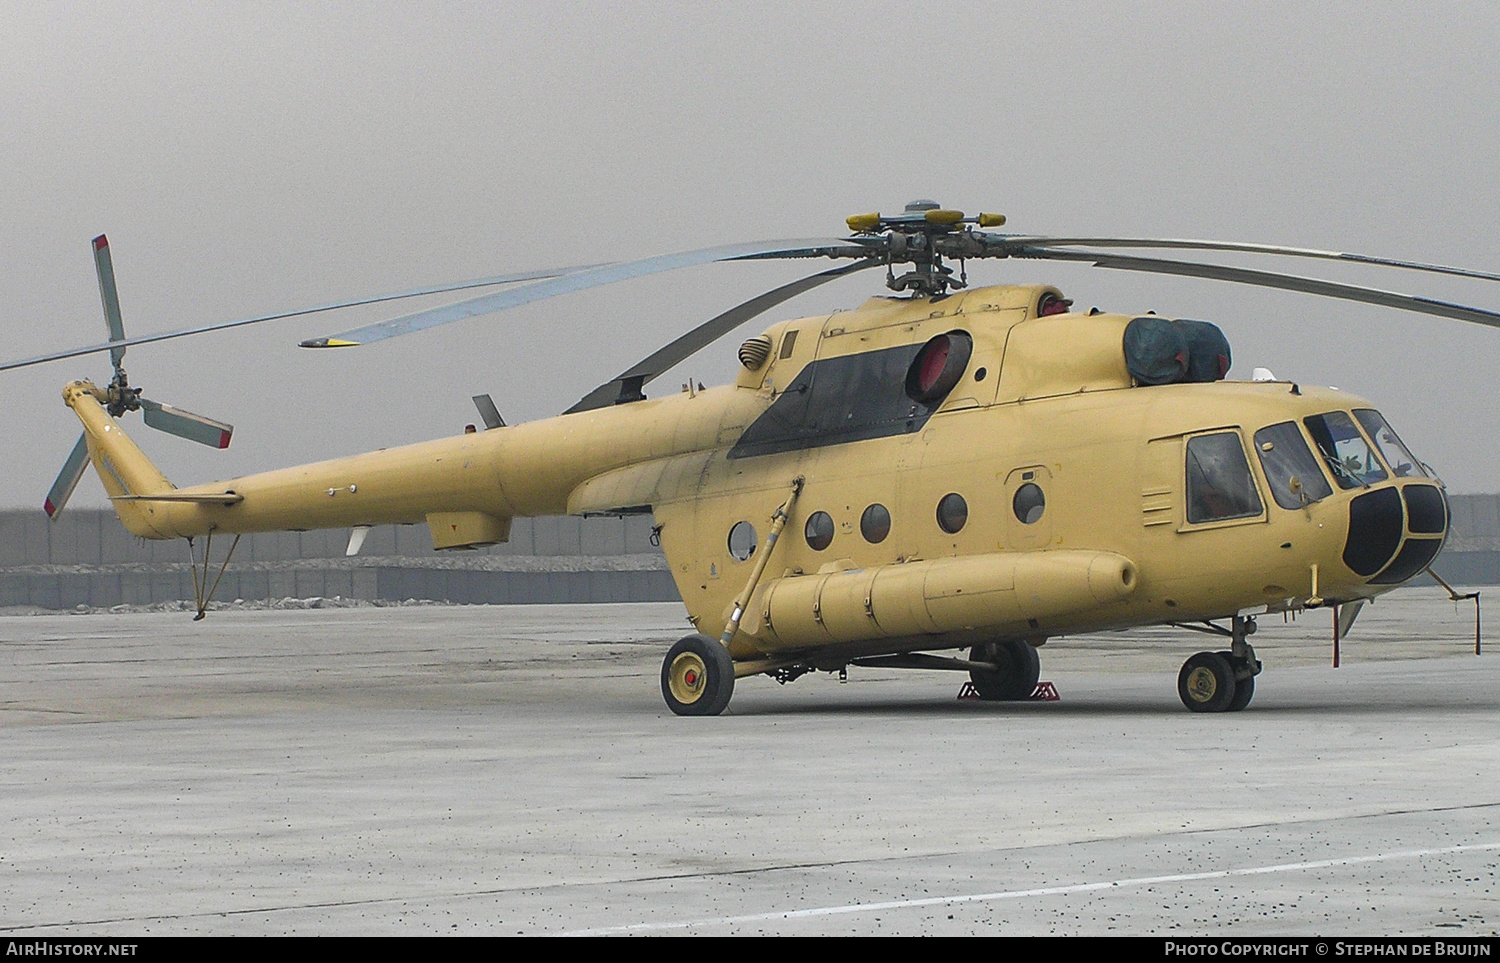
<point x="466" y="488"/>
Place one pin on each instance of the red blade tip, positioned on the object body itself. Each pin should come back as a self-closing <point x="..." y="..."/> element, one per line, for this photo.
<point x="101" y="242"/>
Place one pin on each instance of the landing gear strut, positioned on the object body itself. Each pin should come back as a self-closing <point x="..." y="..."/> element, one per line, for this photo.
<point x="1221" y="681"/>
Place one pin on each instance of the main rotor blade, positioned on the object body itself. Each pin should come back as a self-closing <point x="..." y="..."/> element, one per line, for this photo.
<point x="1189" y="244"/>
<point x="1287" y="282"/>
<point x="578" y="280"/>
<point x="628" y="385"/>
<point x="112" y="346"/>
<point x="185" y="424"/>
<point x="104" y="267"/>
<point x="68" y="478"/>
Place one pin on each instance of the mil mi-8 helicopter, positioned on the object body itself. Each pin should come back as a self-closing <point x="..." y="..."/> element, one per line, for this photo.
<point x="946" y="468"/>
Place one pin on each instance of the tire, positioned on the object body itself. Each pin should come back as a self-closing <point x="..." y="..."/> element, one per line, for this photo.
<point x="1206" y="683"/>
<point x="1244" y="682"/>
<point x="1244" y="691"/>
<point x="1019" y="669"/>
<point x="697" y="677"/>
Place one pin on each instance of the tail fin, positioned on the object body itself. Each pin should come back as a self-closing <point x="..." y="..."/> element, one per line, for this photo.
<point x="124" y="469"/>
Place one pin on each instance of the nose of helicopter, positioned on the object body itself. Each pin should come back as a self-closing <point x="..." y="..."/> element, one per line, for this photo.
<point x="1395" y="532"/>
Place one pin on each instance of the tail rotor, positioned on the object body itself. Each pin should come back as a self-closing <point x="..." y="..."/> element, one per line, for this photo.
<point x="120" y="397"/>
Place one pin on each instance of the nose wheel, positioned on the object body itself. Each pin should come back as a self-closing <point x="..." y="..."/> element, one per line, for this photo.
<point x="1206" y="683"/>
<point x="697" y="677"/>
<point x="1221" y="681"/>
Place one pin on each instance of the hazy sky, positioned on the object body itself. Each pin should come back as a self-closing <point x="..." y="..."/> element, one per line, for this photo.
<point x="247" y="157"/>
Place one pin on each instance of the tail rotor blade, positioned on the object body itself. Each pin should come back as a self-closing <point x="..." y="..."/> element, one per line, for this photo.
<point x="104" y="266"/>
<point x="68" y="478"/>
<point x="185" y="424"/>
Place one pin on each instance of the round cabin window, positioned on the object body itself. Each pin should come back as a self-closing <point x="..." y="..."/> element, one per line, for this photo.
<point x="742" y="541"/>
<point x="875" y="524"/>
<point x="1029" y="503"/>
<point x="952" y="513"/>
<point x="819" y="531"/>
<point x="938" y="367"/>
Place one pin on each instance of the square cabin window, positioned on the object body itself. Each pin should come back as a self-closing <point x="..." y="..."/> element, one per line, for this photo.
<point x="1219" y="483"/>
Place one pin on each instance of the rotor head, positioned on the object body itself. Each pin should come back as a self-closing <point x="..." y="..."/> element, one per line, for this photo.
<point x="922" y="235"/>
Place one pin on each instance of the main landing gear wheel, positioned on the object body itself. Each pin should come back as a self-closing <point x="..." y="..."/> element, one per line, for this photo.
<point x="1019" y="669"/>
<point x="697" y="677"/>
<point x="1207" y="684"/>
<point x="1244" y="681"/>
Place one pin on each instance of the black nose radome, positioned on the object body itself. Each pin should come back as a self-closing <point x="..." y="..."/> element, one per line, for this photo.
<point x="1426" y="510"/>
<point x="1375" y="526"/>
<point x="1426" y="514"/>
<point x="1415" y="556"/>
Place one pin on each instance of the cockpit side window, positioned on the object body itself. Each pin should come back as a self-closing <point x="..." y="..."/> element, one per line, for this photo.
<point x="1290" y="466"/>
<point x="1397" y="455"/>
<point x="1219" y="483"/>
<point x="1344" y="449"/>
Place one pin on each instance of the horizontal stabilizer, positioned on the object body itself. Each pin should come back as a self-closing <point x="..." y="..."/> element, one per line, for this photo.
<point x="206" y="498"/>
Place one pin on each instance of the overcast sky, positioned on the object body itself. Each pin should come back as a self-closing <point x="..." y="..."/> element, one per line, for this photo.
<point x="248" y="157"/>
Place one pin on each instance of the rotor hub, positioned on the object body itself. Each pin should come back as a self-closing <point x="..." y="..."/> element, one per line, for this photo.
<point x="119" y="397"/>
<point x="922" y="235"/>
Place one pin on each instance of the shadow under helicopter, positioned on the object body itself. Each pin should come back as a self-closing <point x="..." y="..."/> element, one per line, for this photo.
<point x="1304" y="697"/>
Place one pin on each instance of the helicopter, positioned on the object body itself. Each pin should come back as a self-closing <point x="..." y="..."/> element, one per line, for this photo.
<point x="943" y="468"/>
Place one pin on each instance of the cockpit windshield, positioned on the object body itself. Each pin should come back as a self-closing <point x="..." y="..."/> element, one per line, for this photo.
<point x="1348" y="456"/>
<point x="1397" y="455"/>
<point x="1290" y="466"/>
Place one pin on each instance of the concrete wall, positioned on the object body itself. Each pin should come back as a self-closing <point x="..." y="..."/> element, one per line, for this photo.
<point x="93" y="537"/>
<point x="86" y="557"/>
<point x="393" y="583"/>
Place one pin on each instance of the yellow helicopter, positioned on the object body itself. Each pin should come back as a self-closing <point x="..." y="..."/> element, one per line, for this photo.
<point x="946" y="468"/>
